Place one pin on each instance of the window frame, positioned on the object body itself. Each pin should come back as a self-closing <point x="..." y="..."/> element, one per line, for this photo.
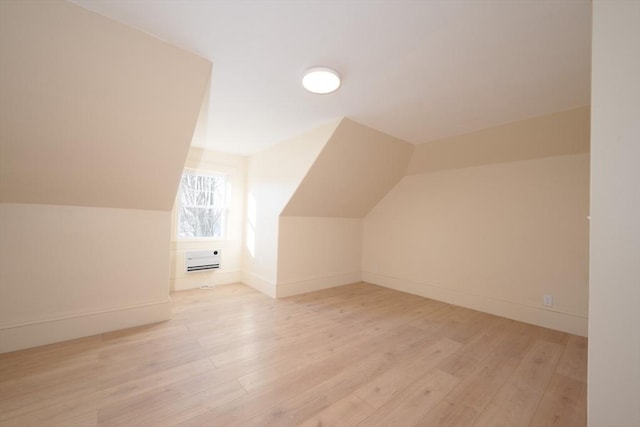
<point x="224" y="226"/>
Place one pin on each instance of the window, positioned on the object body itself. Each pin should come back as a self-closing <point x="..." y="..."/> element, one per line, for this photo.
<point x="202" y="210"/>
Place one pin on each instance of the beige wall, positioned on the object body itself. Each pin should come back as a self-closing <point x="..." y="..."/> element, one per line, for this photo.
<point x="91" y="110"/>
<point x="316" y="253"/>
<point x="95" y="123"/>
<point x="495" y="237"/>
<point x="272" y="177"/>
<point x="614" y="302"/>
<point x="320" y="229"/>
<point x="69" y="271"/>
<point x="558" y="134"/>
<point x="356" y="168"/>
<point x="231" y="247"/>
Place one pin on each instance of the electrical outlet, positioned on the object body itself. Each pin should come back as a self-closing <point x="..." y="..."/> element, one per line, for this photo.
<point x="547" y="300"/>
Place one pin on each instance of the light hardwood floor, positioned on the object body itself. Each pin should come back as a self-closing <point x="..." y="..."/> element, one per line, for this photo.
<point x="354" y="355"/>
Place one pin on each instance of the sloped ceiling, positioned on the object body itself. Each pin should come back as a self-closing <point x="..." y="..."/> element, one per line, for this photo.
<point x="563" y="133"/>
<point x="417" y="70"/>
<point x="356" y="168"/>
<point x="93" y="113"/>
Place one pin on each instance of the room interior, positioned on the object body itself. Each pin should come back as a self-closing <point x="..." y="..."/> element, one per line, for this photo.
<point x="100" y="116"/>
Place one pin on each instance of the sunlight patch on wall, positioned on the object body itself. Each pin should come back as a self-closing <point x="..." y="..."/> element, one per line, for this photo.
<point x="251" y="225"/>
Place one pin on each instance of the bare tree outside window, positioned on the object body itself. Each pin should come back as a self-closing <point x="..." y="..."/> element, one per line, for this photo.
<point x="202" y="211"/>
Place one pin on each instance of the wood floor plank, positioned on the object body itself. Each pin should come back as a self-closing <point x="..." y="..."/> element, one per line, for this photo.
<point x="300" y="407"/>
<point x="348" y="411"/>
<point x="349" y="379"/>
<point x="45" y="380"/>
<point x="517" y="400"/>
<point x="299" y="381"/>
<point x="574" y="360"/>
<point x="413" y="402"/>
<point x="88" y="419"/>
<point x="353" y="355"/>
<point x="392" y="382"/>
<point x="563" y="404"/>
<point x="449" y="413"/>
<point x="512" y="406"/>
<point x="176" y="411"/>
<point x="278" y="343"/>
<point x="463" y="404"/>
<point x="183" y="388"/>
<point x="297" y="359"/>
<point x="486" y="343"/>
<point x="66" y="406"/>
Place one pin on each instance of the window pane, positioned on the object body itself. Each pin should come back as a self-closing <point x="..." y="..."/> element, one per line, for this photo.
<point x="202" y="206"/>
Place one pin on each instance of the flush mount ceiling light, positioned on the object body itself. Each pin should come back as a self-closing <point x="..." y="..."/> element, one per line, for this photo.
<point x="321" y="80"/>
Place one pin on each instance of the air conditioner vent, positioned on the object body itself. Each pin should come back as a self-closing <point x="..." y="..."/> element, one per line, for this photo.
<point x="202" y="260"/>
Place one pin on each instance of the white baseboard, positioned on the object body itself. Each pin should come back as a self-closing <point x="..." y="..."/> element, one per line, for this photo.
<point x="567" y="322"/>
<point x="259" y="283"/>
<point x="197" y="279"/>
<point x="304" y="286"/>
<point x="31" y="334"/>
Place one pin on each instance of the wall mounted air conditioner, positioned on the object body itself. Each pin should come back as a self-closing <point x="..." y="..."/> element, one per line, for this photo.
<point x="202" y="260"/>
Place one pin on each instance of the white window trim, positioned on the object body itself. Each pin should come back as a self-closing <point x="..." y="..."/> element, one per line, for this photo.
<point x="225" y="213"/>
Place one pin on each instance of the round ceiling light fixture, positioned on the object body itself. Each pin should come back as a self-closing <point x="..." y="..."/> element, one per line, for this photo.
<point x="321" y="80"/>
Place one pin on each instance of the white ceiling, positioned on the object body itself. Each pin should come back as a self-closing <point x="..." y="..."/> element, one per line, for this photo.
<point x="418" y="70"/>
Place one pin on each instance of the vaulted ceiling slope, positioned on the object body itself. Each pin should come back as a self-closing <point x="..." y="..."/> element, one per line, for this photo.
<point x="558" y="134"/>
<point x="93" y="113"/>
<point x="417" y="70"/>
<point x="354" y="170"/>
